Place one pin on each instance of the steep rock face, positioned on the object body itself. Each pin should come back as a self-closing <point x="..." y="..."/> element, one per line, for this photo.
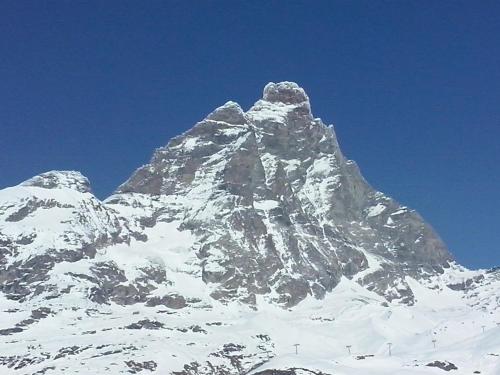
<point x="278" y="210"/>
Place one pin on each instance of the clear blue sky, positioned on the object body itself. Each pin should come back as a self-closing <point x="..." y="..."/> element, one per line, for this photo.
<point x="413" y="88"/>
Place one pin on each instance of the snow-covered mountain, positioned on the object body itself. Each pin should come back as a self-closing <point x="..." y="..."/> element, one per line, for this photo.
<point x="242" y="237"/>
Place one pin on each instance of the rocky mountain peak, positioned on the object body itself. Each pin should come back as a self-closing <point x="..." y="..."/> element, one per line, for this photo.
<point x="231" y="113"/>
<point x="277" y="210"/>
<point x="60" y="179"/>
<point x="284" y="92"/>
<point x="285" y="103"/>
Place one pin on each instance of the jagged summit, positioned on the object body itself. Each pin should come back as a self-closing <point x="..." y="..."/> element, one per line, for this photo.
<point x="60" y="179"/>
<point x="283" y="103"/>
<point x="284" y="92"/>
<point x="279" y="101"/>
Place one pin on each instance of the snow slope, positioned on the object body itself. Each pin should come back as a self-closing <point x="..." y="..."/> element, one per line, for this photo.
<point x="93" y="338"/>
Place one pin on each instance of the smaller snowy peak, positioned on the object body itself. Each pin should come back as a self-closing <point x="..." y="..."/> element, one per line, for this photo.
<point x="231" y="113"/>
<point x="60" y="179"/>
<point x="284" y="92"/>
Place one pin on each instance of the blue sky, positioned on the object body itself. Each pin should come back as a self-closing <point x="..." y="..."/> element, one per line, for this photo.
<point x="412" y="87"/>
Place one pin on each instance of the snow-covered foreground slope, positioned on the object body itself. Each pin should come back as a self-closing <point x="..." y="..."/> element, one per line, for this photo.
<point x="248" y="245"/>
<point x="78" y="336"/>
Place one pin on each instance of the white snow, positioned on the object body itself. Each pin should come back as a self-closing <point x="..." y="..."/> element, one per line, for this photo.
<point x="265" y="204"/>
<point x="267" y="111"/>
<point x="375" y="210"/>
<point x="190" y="143"/>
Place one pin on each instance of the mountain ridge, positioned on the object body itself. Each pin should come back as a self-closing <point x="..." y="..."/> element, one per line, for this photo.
<point x="247" y="219"/>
